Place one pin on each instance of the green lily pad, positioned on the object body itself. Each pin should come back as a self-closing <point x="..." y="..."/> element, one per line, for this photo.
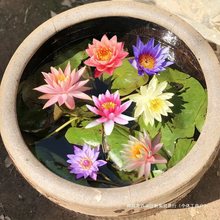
<point x="189" y="110"/>
<point x="80" y="136"/>
<point x="183" y="146"/>
<point x="75" y="60"/>
<point x="118" y="137"/>
<point x="200" y="118"/>
<point x="74" y="55"/>
<point x="126" y="79"/>
<point x="170" y="135"/>
<point x="151" y="130"/>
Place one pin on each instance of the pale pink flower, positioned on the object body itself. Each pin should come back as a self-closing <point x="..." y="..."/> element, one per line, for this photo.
<point x="105" y="55"/>
<point x="139" y="154"/>
<point x="109" y="107"/>
<point x="63" y="87"/>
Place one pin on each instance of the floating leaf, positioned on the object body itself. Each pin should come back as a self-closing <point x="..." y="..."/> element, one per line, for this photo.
<point x="33" y="120"/>
<point x="31" y="117"/>
<point x="183" y="146"/>
<point x="75" y="55"/>
<point x="27" y="94"/>
<point x="152" y="130"/>
<point x="128" y="176"/>
<point x="126" y="79"/>
<point x="118" y="137"/>
<point x="82" y="112"/>
<point x="200" y="118"/>
<point x="157" y="172"/>
<point x="75" y="60"/>
<point x="170" y="135"/>
<point x="190" y="103"/>
<point x="79" y="136"/>
<point x="192" y="94"/>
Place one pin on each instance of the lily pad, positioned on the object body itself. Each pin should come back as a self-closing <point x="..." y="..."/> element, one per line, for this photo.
<point x="199" y="121"/>
<point x="80" y="136"/>
<point x="118" y="137"/>
<point x="75" y="60"/>
<point x="126" y="79"/>
<point x="151" y="130"/>
<point x="189" y="110"/>
<point x="74" y="55"/>
<point x="183" y="146"/>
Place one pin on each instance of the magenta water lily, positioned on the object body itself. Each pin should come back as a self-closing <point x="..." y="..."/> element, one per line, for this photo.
<point x="150" y="59"/>
<point x="84" y="162"/>
<point x="125" y="128"/>
<point x="110" y="108"/>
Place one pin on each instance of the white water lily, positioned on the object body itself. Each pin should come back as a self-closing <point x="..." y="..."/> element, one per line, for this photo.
<point x="152" y="102"/>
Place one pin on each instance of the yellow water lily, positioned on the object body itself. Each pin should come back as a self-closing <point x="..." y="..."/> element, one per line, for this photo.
<point x="151" y="102"/>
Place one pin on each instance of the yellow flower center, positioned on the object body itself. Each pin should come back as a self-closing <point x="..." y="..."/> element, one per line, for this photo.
<point x="104" y="54"/>
<point x="108" y="105"/>
<point x="86" y="163"/>
<point x="136" y="150"/>
<point x="156" y="104"/>
<point x="147" y="61"/>
<point x="61" y="77"/>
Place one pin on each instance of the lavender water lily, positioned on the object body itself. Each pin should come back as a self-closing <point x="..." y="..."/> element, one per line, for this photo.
<point x="124" y="113"/>
<point x="150" y="59"/>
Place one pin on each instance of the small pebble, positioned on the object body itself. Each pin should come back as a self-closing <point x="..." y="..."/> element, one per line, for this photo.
<point x="52" y="13"/>
<point x="20" y="197"/>
<point x="66" y="3"/>
<point x="8" y="162"/>
<point x="3" y="217"/>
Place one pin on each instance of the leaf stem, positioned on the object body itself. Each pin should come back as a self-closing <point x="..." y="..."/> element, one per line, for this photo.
<point x="166" y="152"/>
<point x="104" y="144"/>
<point x="62" y="127"/>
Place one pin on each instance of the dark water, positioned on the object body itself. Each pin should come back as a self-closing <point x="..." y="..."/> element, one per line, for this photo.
<point x="60" y="47"/>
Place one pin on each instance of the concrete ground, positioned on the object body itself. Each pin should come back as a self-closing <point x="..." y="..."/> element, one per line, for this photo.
<point x="18" y="200"/>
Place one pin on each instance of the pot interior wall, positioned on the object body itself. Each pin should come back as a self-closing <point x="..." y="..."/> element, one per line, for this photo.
<point x="127" y="29"/>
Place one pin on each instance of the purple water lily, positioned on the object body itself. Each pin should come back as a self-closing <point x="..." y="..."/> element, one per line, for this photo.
<point x="148" y="58"/>
<point x="84" y="162"/>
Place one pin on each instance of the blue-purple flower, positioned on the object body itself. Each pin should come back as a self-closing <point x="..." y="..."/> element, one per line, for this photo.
<point x="148" y="58"/>
<point x="84" y="162"/>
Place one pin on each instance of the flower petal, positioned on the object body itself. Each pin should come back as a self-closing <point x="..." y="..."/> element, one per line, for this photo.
<point x="70" y="103"/>
<point x="67" y="70"/>
<point x="51" y="101"/>
<point x="108" y="127"/>
<point x="147" y="170"/>
<point x="92" y="124"/>
<point x="159" y="159"/>
<point x="80" y="95"/>
<point x="125" y="106"/>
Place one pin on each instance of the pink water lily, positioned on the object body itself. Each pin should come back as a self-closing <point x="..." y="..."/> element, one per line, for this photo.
<point x="109" y="107"/>
<point x="62" y="87"/>
<point x="140" y="153"/>
<point x="105" y="55"/>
